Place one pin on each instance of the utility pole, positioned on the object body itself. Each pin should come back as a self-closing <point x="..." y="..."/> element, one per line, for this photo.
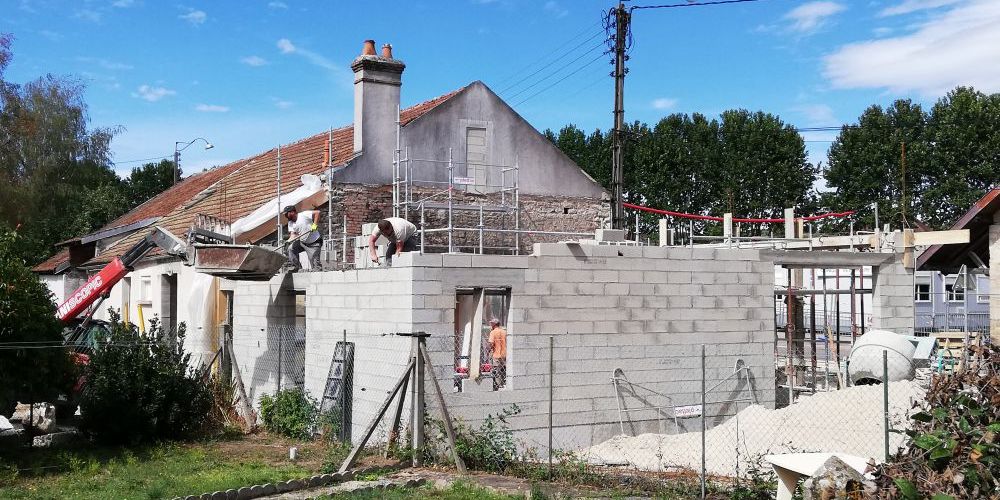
<point x="622" y="20"/>
<point x="177" y="163"/>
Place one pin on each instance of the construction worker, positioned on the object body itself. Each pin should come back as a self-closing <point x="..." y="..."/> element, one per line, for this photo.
<point x="303" y="236"/>
<point x="498" y="353"/>
<point x="399" y="232"/>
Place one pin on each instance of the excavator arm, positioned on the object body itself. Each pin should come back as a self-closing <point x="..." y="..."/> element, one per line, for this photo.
<point x="101" y="283"/>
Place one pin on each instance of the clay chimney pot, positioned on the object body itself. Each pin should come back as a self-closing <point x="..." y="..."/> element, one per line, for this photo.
<point x="387" y="51"/>
<point x="368" y="49"/>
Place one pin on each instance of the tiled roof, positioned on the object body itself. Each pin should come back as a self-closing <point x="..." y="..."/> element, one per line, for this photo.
<point x="231" y="197"/>
<point x="50" y="264"/>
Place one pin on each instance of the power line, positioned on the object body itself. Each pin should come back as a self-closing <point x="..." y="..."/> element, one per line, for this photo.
<point x="142" y="159"/>
<point x="690" y="4"/>
<point x="557" y="70"/>
<point x="577" y="70"/>
<point x="543" y="68"/>
<point x="547" y="54"/>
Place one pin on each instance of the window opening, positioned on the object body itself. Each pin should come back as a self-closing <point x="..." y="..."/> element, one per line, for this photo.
<point x="476" y="356"/>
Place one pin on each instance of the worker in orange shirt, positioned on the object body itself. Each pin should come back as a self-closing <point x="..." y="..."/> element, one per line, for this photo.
<point x="498" y="351"/>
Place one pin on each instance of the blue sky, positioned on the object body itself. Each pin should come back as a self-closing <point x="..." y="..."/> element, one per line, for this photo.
<point x="249" y="75"/>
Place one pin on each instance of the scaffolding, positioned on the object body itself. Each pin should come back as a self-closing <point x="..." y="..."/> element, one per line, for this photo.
<point x="420" y="184"/>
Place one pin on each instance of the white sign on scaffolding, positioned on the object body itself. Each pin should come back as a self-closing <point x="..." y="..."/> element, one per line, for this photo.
<point x="464" y="181"/>
<point x="687" y="411"/>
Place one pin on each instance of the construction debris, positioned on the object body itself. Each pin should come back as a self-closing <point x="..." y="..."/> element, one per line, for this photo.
<point x="42" y="419"/>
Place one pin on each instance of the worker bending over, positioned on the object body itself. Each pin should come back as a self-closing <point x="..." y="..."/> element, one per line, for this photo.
<point x="303" y="236"/>
<point x="399" y="232"/>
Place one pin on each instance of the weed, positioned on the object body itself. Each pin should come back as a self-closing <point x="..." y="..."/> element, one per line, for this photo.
<point x="290" y="412"/>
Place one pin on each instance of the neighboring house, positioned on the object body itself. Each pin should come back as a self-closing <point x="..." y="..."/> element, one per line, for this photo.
<point x="469" y="134"/>
<point x="940" y="306"/>
<point x="981" y="256"/>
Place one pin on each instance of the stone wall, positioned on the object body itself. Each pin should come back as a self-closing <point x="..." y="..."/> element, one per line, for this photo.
<point x="368" y="203"/>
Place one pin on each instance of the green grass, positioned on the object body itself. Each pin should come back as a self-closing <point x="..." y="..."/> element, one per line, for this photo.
<point x="457" y="491"/>
<point x="155" y="472"/>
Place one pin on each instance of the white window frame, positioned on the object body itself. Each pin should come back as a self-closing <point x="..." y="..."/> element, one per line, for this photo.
<point x="145" y="290"/>
<point x="917" y="293"/>
<point x="952" y="295"/>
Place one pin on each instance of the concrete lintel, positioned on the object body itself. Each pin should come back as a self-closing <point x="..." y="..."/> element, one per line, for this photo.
<point x="820" y="259"/>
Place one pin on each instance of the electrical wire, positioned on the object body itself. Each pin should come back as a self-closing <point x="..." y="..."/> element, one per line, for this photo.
<point x="557" y="70"/>
<point x="550" y="63"/>
<point x="690" y="4"/>
<point x="142" y="159"/>
<point x="592" y="61"/>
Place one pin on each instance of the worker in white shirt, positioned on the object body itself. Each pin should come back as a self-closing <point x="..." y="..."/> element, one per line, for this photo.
<point x="303" y="236"/>
<point x="399" y="232"/>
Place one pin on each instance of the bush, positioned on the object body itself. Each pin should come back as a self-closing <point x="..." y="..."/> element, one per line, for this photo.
<point x="954" y="447"/>
<point x="140" y="387"/>
<point x="289" y="412"/>
<point x="491" y="447"/>
<point x="27" y="314"/>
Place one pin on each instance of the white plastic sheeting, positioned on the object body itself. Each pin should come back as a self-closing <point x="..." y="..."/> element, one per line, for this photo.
<point x="311" y="185"/>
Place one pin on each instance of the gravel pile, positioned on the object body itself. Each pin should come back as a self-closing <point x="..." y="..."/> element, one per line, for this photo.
<point x="846" y="421"/>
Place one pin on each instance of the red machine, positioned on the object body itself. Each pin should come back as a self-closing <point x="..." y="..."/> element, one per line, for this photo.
<point x="100" y="284"/>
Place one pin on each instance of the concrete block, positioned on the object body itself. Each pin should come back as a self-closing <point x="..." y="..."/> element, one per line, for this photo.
<point x="590" y="288"/>
<point x="456" y="260"/>
<point x="616" y="289"/>
<point x="640" y="289"/>
<point x="561" y="288"/>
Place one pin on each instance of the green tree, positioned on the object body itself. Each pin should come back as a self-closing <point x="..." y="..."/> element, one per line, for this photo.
<point x="50" y="161"/>
<point x="750" y="164"/>
<point x="149" y="180"/>
<point x="963" y="137"/>
<point x="28" y="318"/>
<point x="952" y="157"/>
<point x="866" y="163"/>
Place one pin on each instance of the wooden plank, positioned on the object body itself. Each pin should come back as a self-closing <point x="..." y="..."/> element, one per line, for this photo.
<point x="953" y="237"/>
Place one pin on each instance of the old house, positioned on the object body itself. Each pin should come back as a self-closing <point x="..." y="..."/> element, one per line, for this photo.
<point x="468" y="138"/>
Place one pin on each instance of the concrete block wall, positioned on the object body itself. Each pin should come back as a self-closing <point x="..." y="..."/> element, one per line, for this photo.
<point x="371" y="305"/>
<point x="258" y="306"/>
<point x="994" y="251"/>
<point x="892" y="297"/>
<point x="644" y="310"/>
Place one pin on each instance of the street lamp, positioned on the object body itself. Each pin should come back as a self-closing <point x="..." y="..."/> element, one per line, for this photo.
<point x="178" y="149"/>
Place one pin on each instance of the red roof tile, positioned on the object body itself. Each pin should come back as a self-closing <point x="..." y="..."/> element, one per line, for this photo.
<point x="49" y="266"/>
<point x="231" y="197"/>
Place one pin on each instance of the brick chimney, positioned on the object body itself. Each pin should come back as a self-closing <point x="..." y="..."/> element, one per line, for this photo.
<point x="377" y="79"/>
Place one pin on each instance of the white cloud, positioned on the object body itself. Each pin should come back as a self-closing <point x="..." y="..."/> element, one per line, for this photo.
<point x="88" y="15"/>
<point x="282" y="104"/>
<point x="882" y="31"/>
<point x="51" y="35"/>
<point x="286" y="46"/>
<point x="277" y="5"/>
<point x="152" y="94"/>
<point x="211" y="108"/>
<point x="195" y="17"/>
<point x="664" y="103"/>
<point x="104" y="63"/>
<point x="123" y="4"/>
<point x="908" y="6"/>
<point x="812" y="16"/>
<point x="557" y="10"/>
<point x="817" y="114"/>
<point x="959" y="47"/>
<point x="254" y="61"/>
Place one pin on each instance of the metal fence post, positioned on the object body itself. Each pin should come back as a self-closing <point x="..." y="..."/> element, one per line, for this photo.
<point x="885" y="399"/>
<point x="703" y="411"/>
<point x="344" y="434"/>
<point x="551" y="386"/>
<point x="280" y="335"/>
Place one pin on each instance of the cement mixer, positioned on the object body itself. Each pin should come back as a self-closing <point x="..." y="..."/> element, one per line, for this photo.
<point x="865" y="362"/>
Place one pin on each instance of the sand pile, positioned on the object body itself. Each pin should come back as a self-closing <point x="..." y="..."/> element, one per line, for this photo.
<point x="846" y="421"/>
